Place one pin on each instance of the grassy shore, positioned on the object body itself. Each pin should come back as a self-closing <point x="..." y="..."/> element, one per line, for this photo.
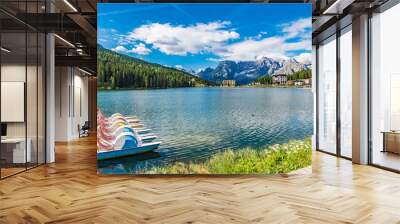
<point x="279" y="158"/>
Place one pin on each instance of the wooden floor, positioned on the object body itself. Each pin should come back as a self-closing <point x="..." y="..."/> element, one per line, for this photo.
<point x="386" y="159"/>
<point x="70" y="191"/>
<point x="5" y="172"/>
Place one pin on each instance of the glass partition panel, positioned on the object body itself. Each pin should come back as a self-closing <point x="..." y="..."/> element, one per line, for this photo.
<point x="327" y="95"/>
<point x="13" y="115"/>
<point x="346" y="92"/>
<point x="35" y="87"/>
<point x="385" y="89"/>
<point x="22" y="64"/>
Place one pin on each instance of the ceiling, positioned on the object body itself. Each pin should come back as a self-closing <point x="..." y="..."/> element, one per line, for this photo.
<point x="330" y="15"/>
<point x="73" y="21"/>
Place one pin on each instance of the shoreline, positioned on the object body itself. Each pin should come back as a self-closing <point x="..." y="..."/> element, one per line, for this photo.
<point x="272" y="159"/>
<point x="224" y="87"/>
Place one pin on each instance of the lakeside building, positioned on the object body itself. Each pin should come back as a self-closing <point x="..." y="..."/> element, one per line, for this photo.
<point x="228" y="83"/>
<point x="299" y="82"/>
<point x="279" y="79"/>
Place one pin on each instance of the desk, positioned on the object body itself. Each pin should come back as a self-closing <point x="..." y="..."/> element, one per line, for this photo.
<point x="391" y="141"/>
<point x="18" y="150"/>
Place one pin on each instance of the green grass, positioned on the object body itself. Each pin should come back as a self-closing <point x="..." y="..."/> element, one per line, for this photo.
<point x="279" y="158"/>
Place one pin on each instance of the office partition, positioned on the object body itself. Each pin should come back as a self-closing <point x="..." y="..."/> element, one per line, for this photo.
<point x="345" y="61"/>
<point x="22" y="77"/>
<point x="327" y="95"/>
<point x="385" y="88"/>
<point x="334" y="92"/>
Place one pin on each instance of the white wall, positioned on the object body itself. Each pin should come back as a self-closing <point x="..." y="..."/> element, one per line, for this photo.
<point x="33" y="126"/>
<point x="80" y="110"/>
<point x="62" y="82"/>
<point x="71" y="102"/>
<point x="13" y="72"/>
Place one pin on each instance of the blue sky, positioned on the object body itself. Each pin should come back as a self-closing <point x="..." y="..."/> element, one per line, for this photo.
<point x="196" y="36"/>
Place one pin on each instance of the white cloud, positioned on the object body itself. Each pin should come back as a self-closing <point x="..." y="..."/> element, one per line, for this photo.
<point x="213" y="59"/>
<point x="180" y="67"/>
<point x="261" y="34"/>
<point x="278" y="46"/>
<point x="107" y="35"/>
<point x="252" y="49"/>
<point x="304" y="44"/>
<point x="219" y="39"/>
<point x="110" y="36"/>
<point x="182" y="40"/>
<point x="304" y="58"/>
<point x="120" y="49"/>
<point x="140" y="49"/>
<point x="298" y="28"/>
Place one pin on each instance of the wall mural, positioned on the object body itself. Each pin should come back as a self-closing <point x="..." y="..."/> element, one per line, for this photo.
<point x="204" y="88"/>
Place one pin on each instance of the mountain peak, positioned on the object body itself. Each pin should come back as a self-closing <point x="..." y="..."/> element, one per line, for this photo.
<point x="243" y="72"/>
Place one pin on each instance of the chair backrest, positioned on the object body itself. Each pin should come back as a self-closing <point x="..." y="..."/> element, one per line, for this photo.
<point x="86" y="125"/>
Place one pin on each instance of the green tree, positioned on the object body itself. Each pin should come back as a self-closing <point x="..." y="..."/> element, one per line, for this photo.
<point x="121" y="71"/>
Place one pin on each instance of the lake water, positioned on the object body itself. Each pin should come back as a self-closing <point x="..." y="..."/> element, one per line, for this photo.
<point x="195" y="123"/>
